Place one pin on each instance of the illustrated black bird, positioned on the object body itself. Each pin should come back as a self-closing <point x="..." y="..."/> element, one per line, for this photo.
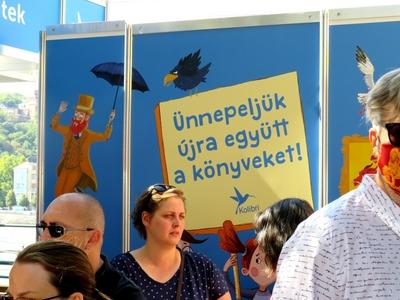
<point x="186" y="75"/>
<point x="367" y="69"/>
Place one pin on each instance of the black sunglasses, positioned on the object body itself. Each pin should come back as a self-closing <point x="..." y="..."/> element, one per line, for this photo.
<point x="160" y="188"/>
<point x="57" y="231"/>
<point x="393" y="133"/>
<point x="5" y="296"/>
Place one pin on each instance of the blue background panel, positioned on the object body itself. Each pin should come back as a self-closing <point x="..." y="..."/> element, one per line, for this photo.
<point x="22" y="28"/>
<point x="237" y="55"/>
<point x="68" y="65"/>
<point x="346" y="81"/>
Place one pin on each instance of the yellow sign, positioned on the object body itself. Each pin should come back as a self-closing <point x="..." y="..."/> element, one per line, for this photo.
<point x="356" y="162"/>
<point x="236" y="150"/>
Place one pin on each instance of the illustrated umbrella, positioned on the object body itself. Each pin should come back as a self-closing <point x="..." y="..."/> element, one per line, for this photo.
<point x="113" y="72"/>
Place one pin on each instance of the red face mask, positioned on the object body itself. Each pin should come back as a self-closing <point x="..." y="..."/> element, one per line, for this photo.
<point x="389" y="165"/>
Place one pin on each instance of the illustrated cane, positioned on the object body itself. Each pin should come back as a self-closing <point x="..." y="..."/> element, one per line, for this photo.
<point x="230" y="242"/>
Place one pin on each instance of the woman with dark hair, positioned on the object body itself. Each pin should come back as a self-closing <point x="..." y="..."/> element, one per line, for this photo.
<point x="159" y="268"/>
<point x="52" y="270"/>
<point x="276" y="224"/>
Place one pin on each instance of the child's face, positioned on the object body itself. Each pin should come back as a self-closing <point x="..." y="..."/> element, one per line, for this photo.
<point x="258" y="270"/>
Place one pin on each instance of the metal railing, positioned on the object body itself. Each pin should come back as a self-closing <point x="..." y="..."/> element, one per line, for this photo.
<point x="11" y="242"/>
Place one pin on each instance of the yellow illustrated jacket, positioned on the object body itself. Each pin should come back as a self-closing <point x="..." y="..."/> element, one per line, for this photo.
<point x="87" y="138"/>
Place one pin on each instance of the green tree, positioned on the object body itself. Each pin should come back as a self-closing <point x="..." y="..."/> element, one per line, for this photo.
<point x="23" y="201"/>
<point x="33" y="201"/>
<point x="10" y="199"/>
<point x="11" y="100"/>
<point x="7" y="164"/>
<point x="18" y="137"/>
<point x="2" y="201"/>
<point x="18" y="133"/>
<point x="18" y="140"/>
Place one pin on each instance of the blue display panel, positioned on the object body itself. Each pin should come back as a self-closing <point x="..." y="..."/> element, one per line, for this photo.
<point x="22" y="20"/>
<point x="69" y="64"/>
<point x="237" y="55"/>
<point x="346" y="122"/>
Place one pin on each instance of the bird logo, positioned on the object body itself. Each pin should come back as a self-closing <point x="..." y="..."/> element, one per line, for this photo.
<point x="187" y="75"/>
<point x="239" y="198"/>
<point x="367" y="69"/>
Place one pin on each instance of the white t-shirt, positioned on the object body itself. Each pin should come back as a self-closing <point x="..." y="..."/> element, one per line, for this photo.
<point x="349" y="249"/>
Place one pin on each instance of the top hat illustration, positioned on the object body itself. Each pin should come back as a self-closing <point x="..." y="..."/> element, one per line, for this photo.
<point x="85" y="104"/>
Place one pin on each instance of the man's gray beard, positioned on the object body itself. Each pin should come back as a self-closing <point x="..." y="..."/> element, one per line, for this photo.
<point x="73" y="240"/>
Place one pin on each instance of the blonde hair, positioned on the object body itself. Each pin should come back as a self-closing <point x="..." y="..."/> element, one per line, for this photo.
<point x="172" y="192"/>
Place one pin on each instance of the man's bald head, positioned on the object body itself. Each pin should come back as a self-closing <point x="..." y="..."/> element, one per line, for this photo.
<point x="77" y="209"/>
<point x="82" y="218"/>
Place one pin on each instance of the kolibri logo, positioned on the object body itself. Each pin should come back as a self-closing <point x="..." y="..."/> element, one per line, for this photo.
<point x="241" y="199"/>
<point x="13" y="14"/>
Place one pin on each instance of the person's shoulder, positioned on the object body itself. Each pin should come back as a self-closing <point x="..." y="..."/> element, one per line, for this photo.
<point x="327" y="215"/>
<point x="125" y="288"/>
<point x="123" y="257"/>
<point x="196" y="256"/>
<point x="115" y="284"/>
<point x="331" y="220"/>
<point x="206" y="270"/>
<point x="199" y="260"/>
<point x="124" y="263"/>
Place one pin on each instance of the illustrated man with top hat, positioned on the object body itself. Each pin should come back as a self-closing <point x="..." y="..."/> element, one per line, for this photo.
<point x="75" y="171"/>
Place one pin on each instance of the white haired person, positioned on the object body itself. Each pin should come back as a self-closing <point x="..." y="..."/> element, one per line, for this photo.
<point x="350" y="248"/>
<point x="160" y="268"/>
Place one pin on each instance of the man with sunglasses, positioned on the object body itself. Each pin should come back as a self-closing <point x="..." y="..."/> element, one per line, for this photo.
<point x="350" y="249"/>
<point x="78" y="219"/>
